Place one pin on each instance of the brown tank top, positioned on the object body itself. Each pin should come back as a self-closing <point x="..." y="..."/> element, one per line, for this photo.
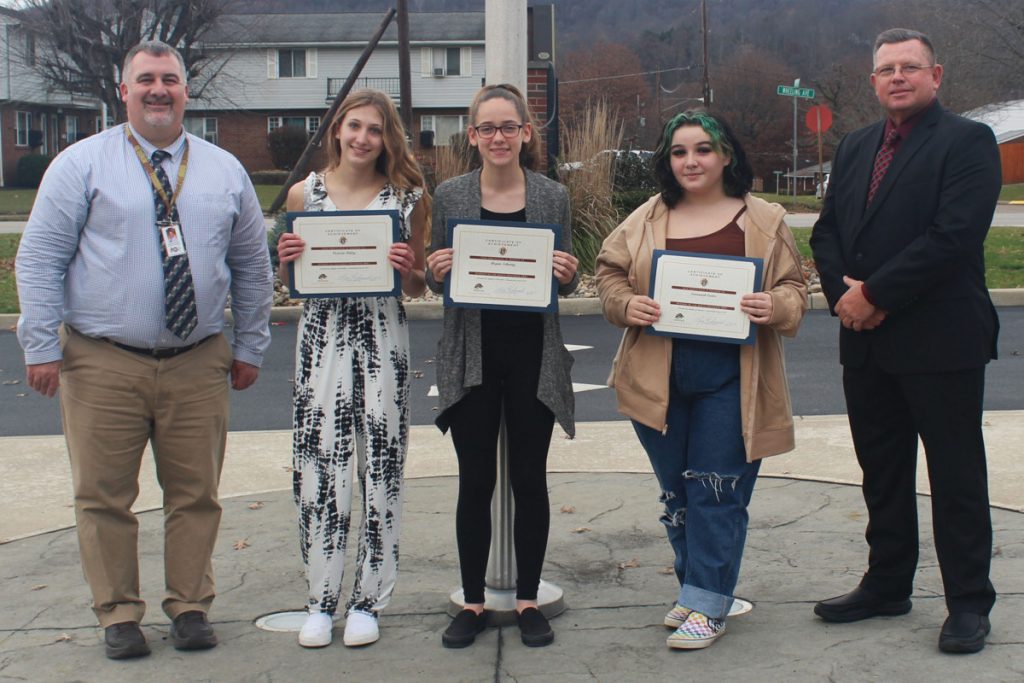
<point x="727" y="241"/>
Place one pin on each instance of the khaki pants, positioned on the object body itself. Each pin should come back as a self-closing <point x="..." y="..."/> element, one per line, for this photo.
<point x="112" y="403"/>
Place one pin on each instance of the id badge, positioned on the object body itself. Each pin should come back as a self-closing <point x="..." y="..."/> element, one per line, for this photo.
<point x="174" y="245"/>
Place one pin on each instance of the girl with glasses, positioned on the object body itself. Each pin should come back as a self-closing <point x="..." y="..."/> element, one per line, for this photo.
<point x="492" y="358"/>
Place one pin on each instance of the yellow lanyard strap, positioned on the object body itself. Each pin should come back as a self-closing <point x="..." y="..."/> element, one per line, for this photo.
<point x="155" y="179"/>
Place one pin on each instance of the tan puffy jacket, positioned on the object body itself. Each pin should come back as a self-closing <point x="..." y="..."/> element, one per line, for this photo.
<point x="640" y="371"/>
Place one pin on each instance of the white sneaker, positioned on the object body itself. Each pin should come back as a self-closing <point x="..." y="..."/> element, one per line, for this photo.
<point x="361" y="629"/>
<point x="316" y="631"/>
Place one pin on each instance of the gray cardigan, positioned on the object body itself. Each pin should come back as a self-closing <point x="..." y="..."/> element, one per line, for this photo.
<point x="459" y="356"/>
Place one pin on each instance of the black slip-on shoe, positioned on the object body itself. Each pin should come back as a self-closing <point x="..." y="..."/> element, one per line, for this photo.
<point x="964" y="633"/>
<point x="534" y="628"/>
<point x="125" y="640"/>
<point x="859" y="604"/>
<point x="464" y="629"/>
<point x="192" y="631"/>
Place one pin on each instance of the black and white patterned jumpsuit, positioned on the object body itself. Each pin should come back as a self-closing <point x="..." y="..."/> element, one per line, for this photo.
<point x="351" y="413"/>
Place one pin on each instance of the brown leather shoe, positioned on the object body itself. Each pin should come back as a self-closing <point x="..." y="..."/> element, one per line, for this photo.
<point x="859" y="604"/>
<point x="192" y="631"/>
<point x="125" y="640"/>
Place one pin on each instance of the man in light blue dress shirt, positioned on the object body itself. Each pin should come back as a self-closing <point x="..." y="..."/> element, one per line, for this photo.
<point x="93" y="258"/>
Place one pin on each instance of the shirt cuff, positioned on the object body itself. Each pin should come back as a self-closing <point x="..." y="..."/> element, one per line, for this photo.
<point x="867" y="294"/>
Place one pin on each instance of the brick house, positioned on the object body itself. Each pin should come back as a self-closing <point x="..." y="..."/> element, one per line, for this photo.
<point x="34" y="117"/>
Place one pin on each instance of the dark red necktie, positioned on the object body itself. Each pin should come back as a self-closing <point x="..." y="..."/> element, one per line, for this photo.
<point x="882" y="161"/>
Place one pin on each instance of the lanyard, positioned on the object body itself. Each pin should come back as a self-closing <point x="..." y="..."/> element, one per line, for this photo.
<point x="154" y="178"/>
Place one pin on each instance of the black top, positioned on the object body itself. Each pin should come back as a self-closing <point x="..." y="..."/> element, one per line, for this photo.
<point x="502" y="322"/>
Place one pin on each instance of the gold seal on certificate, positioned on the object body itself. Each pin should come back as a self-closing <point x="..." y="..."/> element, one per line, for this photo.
<point x="501" y="265"/>
<point x="346" y="253"/>
<point x="700" y="294"/>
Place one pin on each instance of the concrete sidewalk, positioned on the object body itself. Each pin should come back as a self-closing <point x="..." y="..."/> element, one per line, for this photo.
<point x="609" y="555"/>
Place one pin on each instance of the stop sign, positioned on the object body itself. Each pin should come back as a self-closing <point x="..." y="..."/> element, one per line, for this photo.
<point x="819" y="112"/>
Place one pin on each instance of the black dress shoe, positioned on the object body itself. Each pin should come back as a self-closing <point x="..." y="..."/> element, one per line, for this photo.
<point x="125" y="640"/>
<point x="964" y="633"/>
<point x="464" y="629"/>
<point x="534" y="629"/>
<point x="859" y="604"/>
<point x="191" y="631"/>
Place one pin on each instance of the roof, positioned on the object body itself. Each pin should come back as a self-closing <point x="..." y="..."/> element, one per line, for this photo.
<point x="810" y="171"/>
<point x="1005" y="118"/>
<point x="343" y="27"/>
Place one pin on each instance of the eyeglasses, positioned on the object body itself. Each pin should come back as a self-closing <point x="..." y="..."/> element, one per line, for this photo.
<point x="908" y="70"/>
<point x="508" y="130"/>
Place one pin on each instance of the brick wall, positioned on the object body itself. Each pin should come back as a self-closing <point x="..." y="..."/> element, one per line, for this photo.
<point x="537" y="98"/>
<point x="244" y="134"/>
<point x="11" y="153"/>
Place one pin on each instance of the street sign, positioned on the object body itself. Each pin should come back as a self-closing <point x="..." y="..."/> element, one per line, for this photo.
<point x="819" y="117"/>
<point x="790" y="91"/>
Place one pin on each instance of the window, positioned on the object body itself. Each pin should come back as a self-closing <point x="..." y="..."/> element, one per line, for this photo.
<point x="44" y="149"/>
<point x="452" y="57"/>
<point x="309" y="123"/>
<point x="71" y="129"/>
<point x="203" y="127"/>
<point x="444" y="127"/>
<point x="23" y="121"/>
<point x="30" y="49"/>
<point x="291" y="63"/>
<point x="446" y="61"/>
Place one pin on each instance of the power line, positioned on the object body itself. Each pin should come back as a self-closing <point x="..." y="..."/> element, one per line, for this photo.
<point x="642" y="73"/>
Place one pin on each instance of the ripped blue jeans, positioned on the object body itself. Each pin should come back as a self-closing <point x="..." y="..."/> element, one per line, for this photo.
<point x="705" y="479"/>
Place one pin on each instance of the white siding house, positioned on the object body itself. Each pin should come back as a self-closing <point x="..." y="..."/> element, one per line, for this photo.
<point x="285" y="69"/>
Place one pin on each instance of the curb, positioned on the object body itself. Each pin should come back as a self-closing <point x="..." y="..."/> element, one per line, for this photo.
<point x="434" y="310"/>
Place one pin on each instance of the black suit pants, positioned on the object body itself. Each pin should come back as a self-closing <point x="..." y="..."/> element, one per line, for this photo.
<point x="888" y="412"/>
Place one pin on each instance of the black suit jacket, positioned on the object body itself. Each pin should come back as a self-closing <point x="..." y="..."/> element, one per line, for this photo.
<point x="918" y="246"/>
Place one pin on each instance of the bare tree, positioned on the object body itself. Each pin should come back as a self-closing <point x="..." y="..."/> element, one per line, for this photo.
<point x="81" y="44"/>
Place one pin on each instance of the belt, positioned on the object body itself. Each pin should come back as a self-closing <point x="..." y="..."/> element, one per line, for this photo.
<point x="158" y="354"/>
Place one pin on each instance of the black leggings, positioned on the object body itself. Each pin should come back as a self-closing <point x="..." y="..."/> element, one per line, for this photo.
<point x="511" y="368"/>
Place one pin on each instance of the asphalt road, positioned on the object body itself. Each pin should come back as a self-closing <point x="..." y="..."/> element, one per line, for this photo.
<point x="811" y="359"/>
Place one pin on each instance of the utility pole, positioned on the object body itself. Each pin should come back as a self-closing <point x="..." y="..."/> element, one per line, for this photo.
<point x="704" y="32"/>
<point x="404" y="73"/>
<point x="796" y="85"/>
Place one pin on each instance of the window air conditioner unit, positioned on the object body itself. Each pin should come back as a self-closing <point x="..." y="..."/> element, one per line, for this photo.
<point x="438" y="71"/>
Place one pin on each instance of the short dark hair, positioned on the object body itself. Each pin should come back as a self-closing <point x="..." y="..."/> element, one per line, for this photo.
<point x="157" y="48"/>
<point x="737" y="177"/>
<point x="902" y="35"/>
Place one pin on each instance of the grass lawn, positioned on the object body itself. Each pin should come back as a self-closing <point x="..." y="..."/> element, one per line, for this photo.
<point x="267" y="194"/>
<point x="8" y="288"/>
<point x="1012" y="192"/>
<point x="16" y="201"/>
<point x="1004" y="255"/>
<point x="804" y="203"/>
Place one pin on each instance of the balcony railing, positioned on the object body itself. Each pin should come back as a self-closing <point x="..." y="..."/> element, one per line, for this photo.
<point x="388" y="86"/>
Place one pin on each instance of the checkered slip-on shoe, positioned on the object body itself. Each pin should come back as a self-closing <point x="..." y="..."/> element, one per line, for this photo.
<point x="698" y="631"/>
<point x="677" y="615"/>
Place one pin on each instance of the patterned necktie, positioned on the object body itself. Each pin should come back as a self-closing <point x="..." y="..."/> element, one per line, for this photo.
<point x="882" y="161"/>
<point x="180" y="312"/>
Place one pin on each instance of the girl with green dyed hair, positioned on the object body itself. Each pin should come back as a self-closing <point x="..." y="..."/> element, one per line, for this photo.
<point x="706" y="410"/>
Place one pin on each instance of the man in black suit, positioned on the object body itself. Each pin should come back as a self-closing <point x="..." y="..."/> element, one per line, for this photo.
<point x="899" y="246"/>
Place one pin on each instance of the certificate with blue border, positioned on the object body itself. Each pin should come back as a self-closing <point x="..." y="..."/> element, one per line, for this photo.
<point x="346" y="254"/>
<point x="700" y="294"/>
<point x="502" y="265"/>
